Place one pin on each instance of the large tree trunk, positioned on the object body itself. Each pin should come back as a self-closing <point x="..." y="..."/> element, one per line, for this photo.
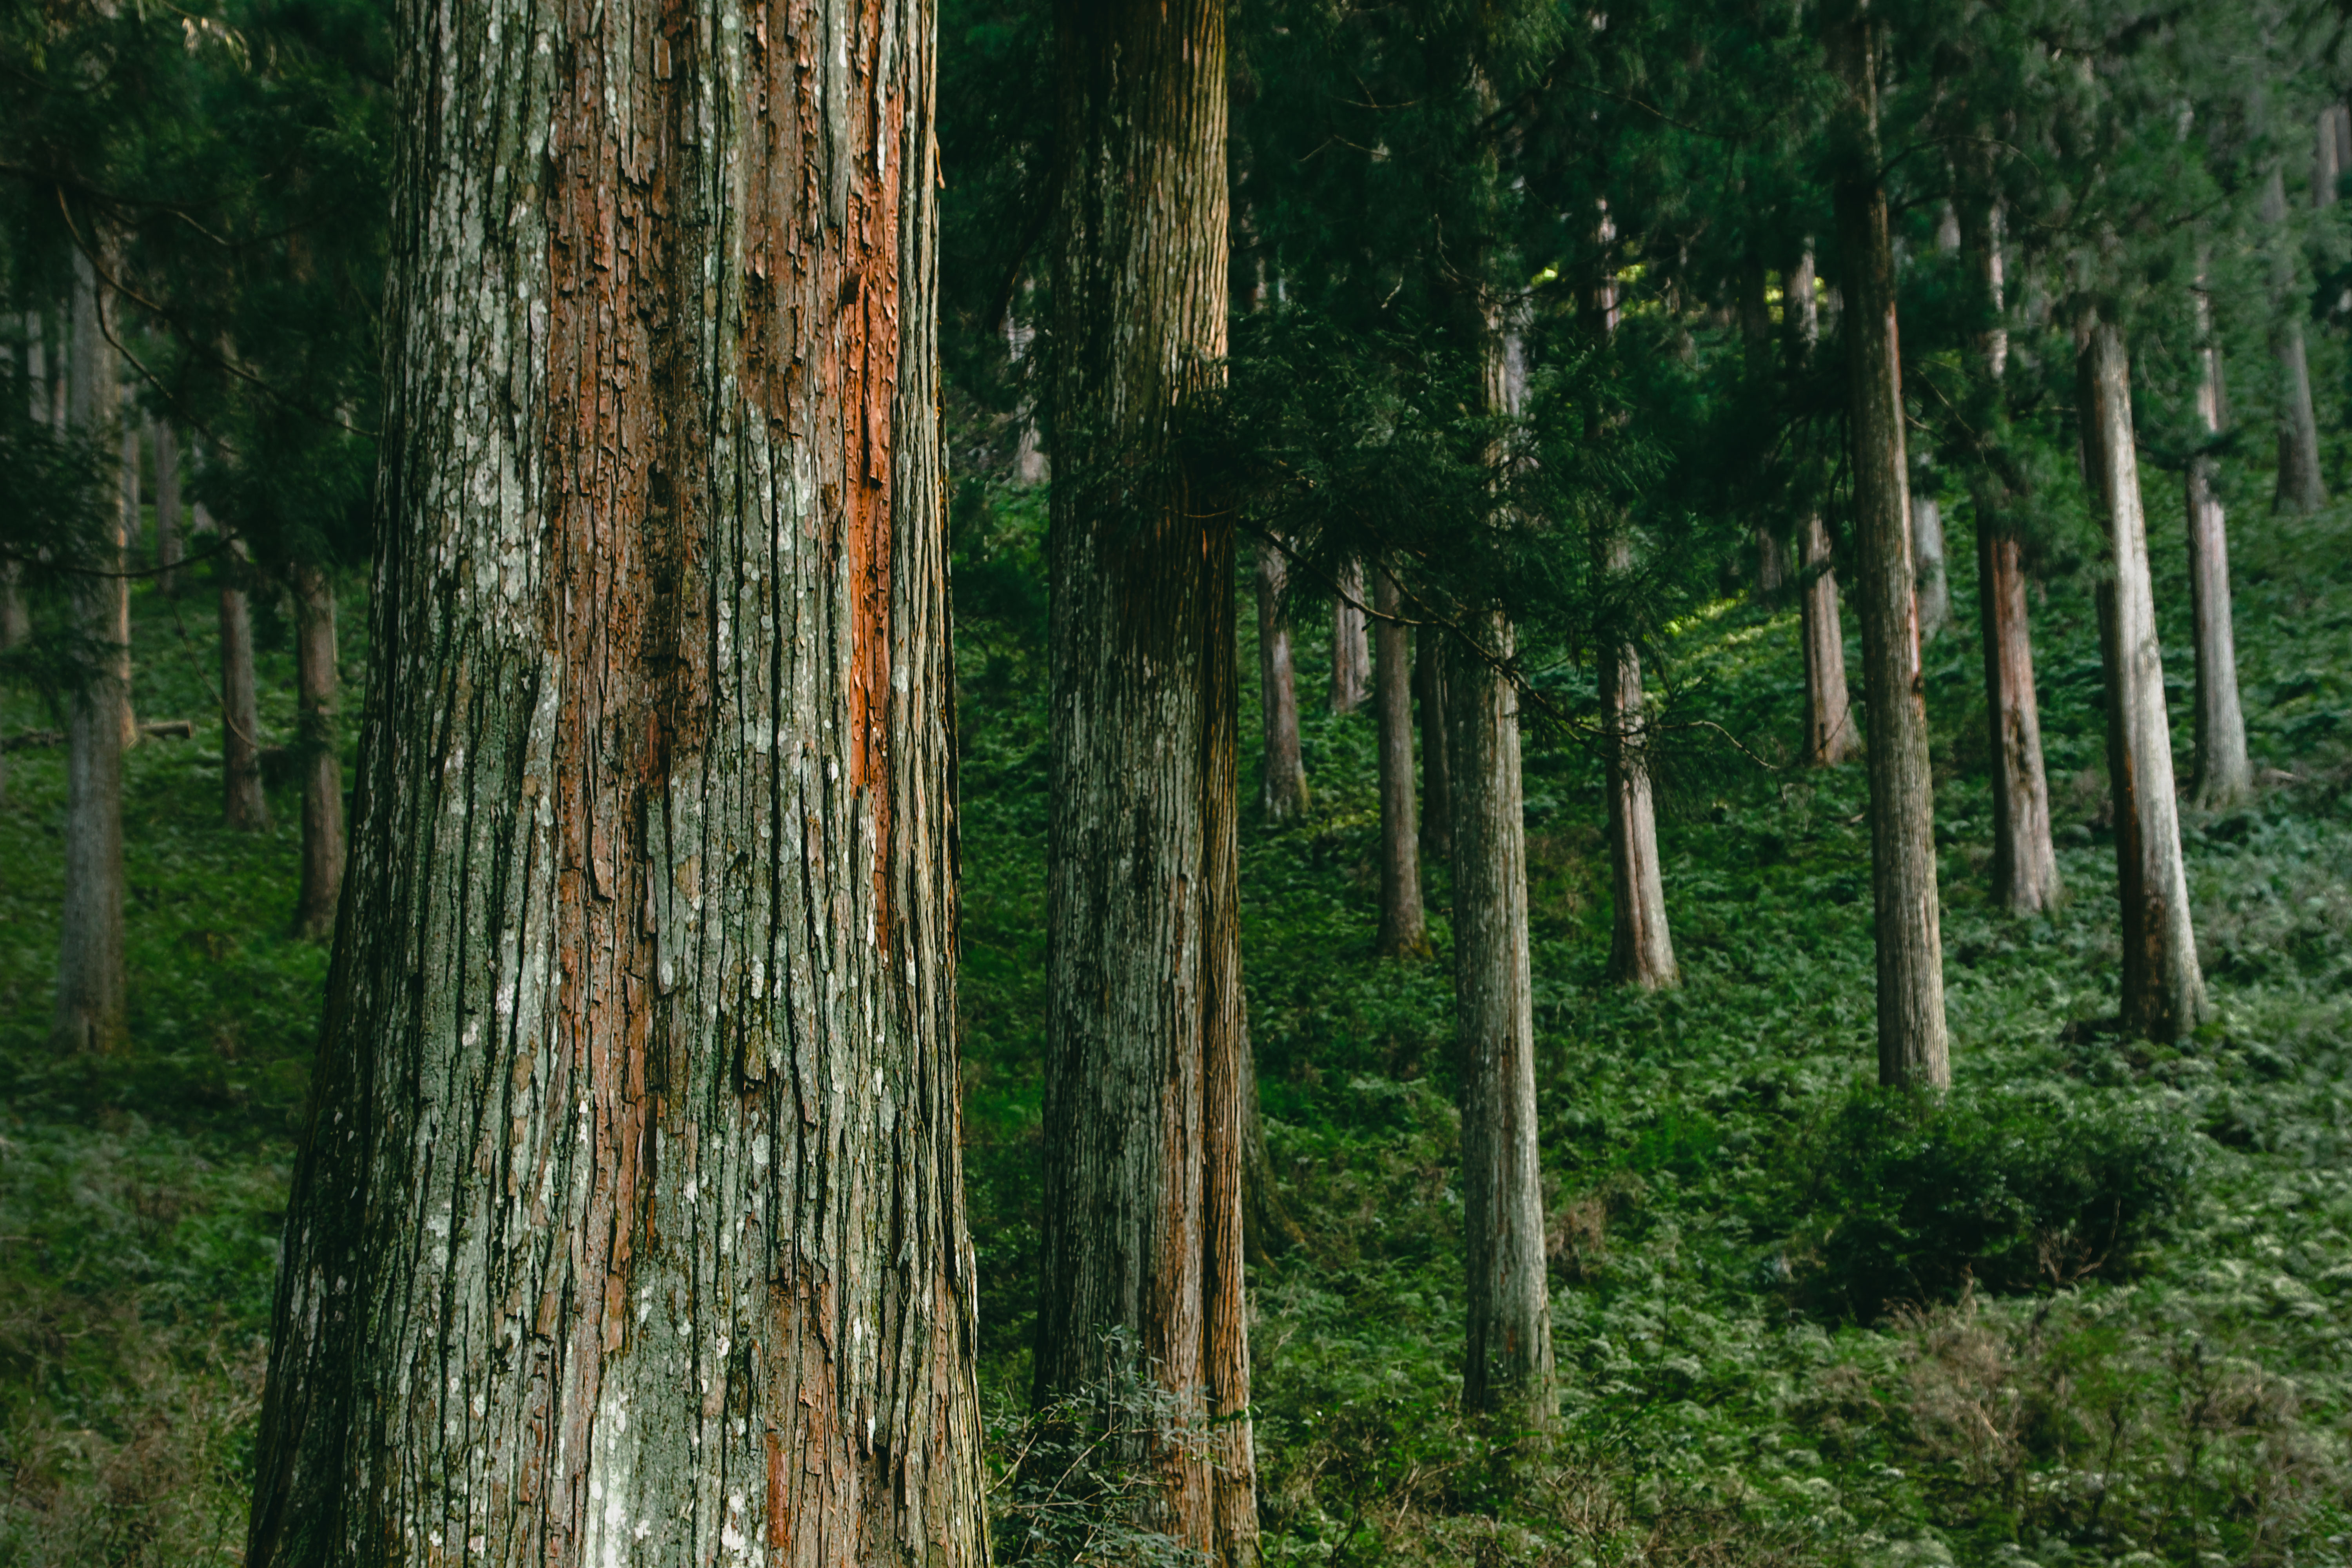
<point x="315" y="684"/>
<point x="2025" y="860"/>
<point x="628" y="1227"/>
<point x="2163" y="989"/>
<point x="1830" y="737"/>
<point x="1404" y="929"/>
<point x="1436" y="797"/>
<point x="167" y="506"/>
<point x="1350" y="655"/>
<point x="1282" y="786"/>
<point x="90" y="1003"/>
<point x="2299" y="486"/>
<point x="2224" y="774"/>
<point x="1144" y="1031"/>
<point x="1912" y="1048"/>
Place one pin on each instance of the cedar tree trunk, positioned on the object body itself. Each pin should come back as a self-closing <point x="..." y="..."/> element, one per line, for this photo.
<point x="2224" y="774"/>
<point x="1640" y="950"/>
<point x="1912" y="1049"/>
<point x="628" y="1227"/>
<point x="1437" y="799"/>
<point x="1404" y="929"/>
<point x="2299" y="486"/>
<point x="2163" y="990"/>
<point x="244" y="805"/>
<point x="321" y="752"/>
<point x="1934" y="587"/>
<point x="1350" y="655"/>
<point x="167" y="506"/>
<point x="1830" y="737"/>
<point x="1282" y="786"/>
<point x="1144" y="1029"/>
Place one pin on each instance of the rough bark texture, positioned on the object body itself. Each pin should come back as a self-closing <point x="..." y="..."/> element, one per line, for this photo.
<point x="316" y="683"/>
<point x="89" y="1014"/>
<point x="244" y="805"/>
<point x="627" y="1229"/>
<point x="1282" y="784"/>
<point x="1436" y="798"/>
<point x="2225" y="773"/>
<point x="1144" y="1034"/>
<point x="1912" y="1048"/>
<point x="2300" y="485"/>
<point x="167" y="506"/>
<point x="1508" y="1364"/>
<point x="1351" y="658"/>
<point x="1404" y="929"/>
<point x="2163" y="989"/>
<point x="1830" y="737"/>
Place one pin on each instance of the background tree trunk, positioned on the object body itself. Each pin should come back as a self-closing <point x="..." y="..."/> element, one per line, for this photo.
<point x="1640" y="950"/>
<point x="1143" y="1244"/>
<point x="2224" y="774"/>
<point x="1404" y="931"/>
<point x="1830" y="737"/>
<point x="315" y="684"/>
<point x="628" y="1227"/>
<point x="1351" y="656"/>
<point x="16" y="618"/>
<point x="2163" y="989"/>
<point x="2299" y="486"/>
<point x="90" y="1001"/>
<point x="1934" y="587"/>
<point x="1282" y="786"/>
<point x="1912" y="1048"/>
<point x="132" y="540"/>
<point x="243" y="805"/>
<point x="167" y="505"/>
<point x="1756" y="341"/>
<point x="1436" y="798"/>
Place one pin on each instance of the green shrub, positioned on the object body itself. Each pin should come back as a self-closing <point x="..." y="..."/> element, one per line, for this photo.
<point x="1893" y="1197"/>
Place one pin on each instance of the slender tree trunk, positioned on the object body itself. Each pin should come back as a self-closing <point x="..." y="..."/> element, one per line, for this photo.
<point x="1029" y="466"/>
<point x="1281" y="787"/>
<point x="243" y="805"/>
<point x="1755" y="340"/>
<point x="90" y="1000"/>
<point x="2299" y="486"/>
<point x="1144" y="1031"/>
<point x="15" y="616"/>
<point x="1351" y="657"/>
<point x="167" y="506"/>
<point x="315" y="685"/>
<point x="1436" y="798"/>
<point x="2224" y="774"/>
<point x="1934" y="587"/>
<point x="1404" y="931"/>
<point x="2163" y="989"/>
<point x="132" y="538"/>
<point x="1641" y="950"/>
<point x="1830" y="737"/>
<point x="628" y="1227"/>
<point x="1912" y="1048"/>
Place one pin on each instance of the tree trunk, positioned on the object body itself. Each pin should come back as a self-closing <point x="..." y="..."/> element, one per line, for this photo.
<point x="1404" y="931"/>
<point x="167" y="506"/>
<point x="2163" y="990"/>
<point x="1029" y="467"/>
<point x="628" y="1227"/>
<point x="1144" y="1032"/>
<point x="1934" y="588"/>
<point x="16" y="618"/>
<point x="1641" y="950"/>
<point x="2224" y="775"/>
<point x="1830" y="737"/>
<point x="1912" y="1048"/>
<point x="244" y="805"/>
<point x="1508" y="1365"/>
<point x="1351" y="656"/>
<point x="315" y="683"/>
<point x="90" y="1000"/>
<point x="131" y="538"/>
<point x="2299" y="486"/>
<point x="1755" y="340"/>
<point x="1281" y="787"/>
<point x="1436" y="798"/>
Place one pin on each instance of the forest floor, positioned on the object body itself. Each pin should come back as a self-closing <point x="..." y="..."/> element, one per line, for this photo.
<point x="2092" y="1310"/>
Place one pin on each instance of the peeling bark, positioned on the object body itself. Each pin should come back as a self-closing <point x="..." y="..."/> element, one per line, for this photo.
<point x="1144" y="1033"/>
<point x="1282" y="784"/>
<point x="1907" y="921"/>
<point x="316" y="681"/>
<point x="2163" y="988"/>
<point x="1405" y="928"/>
<point x="628" y="1226"/>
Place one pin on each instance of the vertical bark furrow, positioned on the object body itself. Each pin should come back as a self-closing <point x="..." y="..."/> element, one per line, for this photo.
<point x="629" y="1226"/>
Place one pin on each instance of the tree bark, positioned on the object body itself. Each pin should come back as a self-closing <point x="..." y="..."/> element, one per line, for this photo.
<point x="1282" y="786"/>
<point x="1436" y="798"/>
<point x="132" y="536"/>
<point x="2300" y="485"/>
<point x="2224" y="775"/>
<point x="315" y="685"/>
<point x="1144" y="1034"/>
<point x="1640" y="950"/>
<point x="15" y="616"/>
<point x="243" y="805"/>
<point x="1404" y="929"/>
<point x="1351" y="656"/>
<point x="1830" y="737"/>
<point x="90" y="1011"/>
<point x="1912" y="1047"/>
<point x="168" y="551"/>
<point x="2163" y="989"/>
<point x="628" y="1226"/>
<point x="1934" y="588"/>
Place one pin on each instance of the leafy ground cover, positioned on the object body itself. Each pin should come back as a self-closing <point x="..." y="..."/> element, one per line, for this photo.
<point x="2091" y="1310"/>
